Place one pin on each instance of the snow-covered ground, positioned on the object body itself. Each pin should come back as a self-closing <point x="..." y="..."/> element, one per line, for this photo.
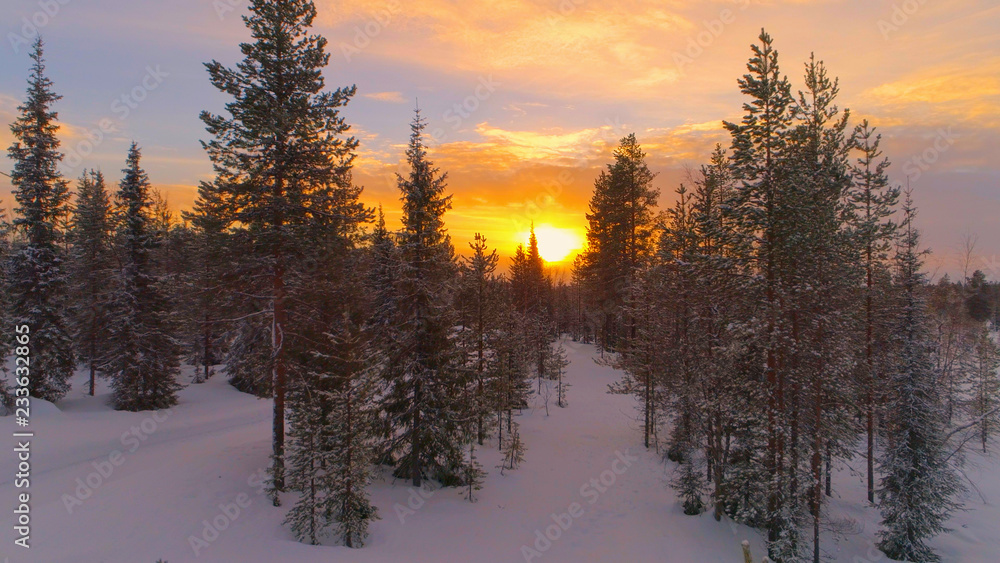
<point x="184" y="485"/>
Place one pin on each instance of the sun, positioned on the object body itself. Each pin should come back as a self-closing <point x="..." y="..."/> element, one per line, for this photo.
<point x="555" y="244"/>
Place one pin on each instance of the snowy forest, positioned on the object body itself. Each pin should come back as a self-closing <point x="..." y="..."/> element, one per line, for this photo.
<point x="771" y="333"/>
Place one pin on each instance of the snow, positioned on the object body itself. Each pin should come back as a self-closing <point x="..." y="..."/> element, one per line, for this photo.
<point x="174" y="469"/>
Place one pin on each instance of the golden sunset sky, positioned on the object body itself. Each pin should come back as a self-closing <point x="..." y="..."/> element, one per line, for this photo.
<point x="527" y="98"/>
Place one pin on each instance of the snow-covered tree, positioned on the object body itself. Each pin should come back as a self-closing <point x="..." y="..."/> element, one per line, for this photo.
<point x="620" y="238"/>
<point x="142" y="350"/>
<point x="277" y="156"/>
<point x="918" y="488"/>
<point x="509" y="372"/>
<point x="513" y="449"/>
<point x="332" y="430"/>
<point x="872" y="202"/>
<point x="248" y="361"/>
<point x="36" y="272"/>
<point x="759" y="144"/>
<point x="556" y="369"/>
<point x="92" y="263"/>
<point x="984" y="388"/>
<point x="531" y="289"/>
<point x="478" y="293"/>
<point x="473" y="474"/>
<point x="206" y="277"/>
<point x="425" y="376"/>
<point x="6" y="399"/>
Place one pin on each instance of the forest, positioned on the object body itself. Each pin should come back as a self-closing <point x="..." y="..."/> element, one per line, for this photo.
<point x="774" y="320"/>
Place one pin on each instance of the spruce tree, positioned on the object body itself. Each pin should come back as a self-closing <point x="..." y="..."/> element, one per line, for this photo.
<point x="277" y="156"/>
<point x="532" y="289"/>
<point x="619" y="238"/>
<point x="425" y="379"/>
<point x="918" y="487"/>
<point x="92" y="263"/>
<point x="36" y="272"/>
<point x="206" y="276"/>
<point x="332" y="431"/>
<point x="382" y="270"/>
<point x="6" y="398"/>
<point x="142" y="356"/>
<point x="509" y="372"/>
<point x="474" y="474"/>
<point x="479" y="289"/>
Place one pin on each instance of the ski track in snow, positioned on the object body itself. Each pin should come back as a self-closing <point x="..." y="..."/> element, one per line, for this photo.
<point x="212" y="447"/>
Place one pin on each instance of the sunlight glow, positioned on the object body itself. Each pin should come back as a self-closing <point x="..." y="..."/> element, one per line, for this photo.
<point x="555" y="244"/>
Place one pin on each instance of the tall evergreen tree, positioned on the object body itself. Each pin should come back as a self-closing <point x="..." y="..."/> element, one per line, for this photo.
<point x="619" y="238"/>
<point x="759" y="144"/>
<point x="6" y="399"/>
<point x="918" y="486"/>
<point x="207" y="276"/>
<point x="36" y="273"/>
<point x="142" y="356"/>
<point x="532" y="290"/>
<point x="333" y="427"/>
<point x="820" y="275"/>
<point x="277" y="156"/>
<point x="382" y="269"/>
<point x="509" y="372"/>
<point x="424" y="395"/>
<point x="872" y="202"/>
<point x="479" y="287"/>
<point x="92" y="263"/>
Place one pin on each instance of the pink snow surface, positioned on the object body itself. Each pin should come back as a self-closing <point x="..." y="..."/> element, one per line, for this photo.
<point x="586" y="481"/>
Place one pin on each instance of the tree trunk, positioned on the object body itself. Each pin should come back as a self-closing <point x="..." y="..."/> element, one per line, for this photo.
<point x="278" y="345"/>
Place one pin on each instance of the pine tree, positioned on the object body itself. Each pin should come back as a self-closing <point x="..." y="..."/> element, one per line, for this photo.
<point x="759" y="156"/>
<point x="823" y="265"/>
<point x="249" y="361"/>
<point x="984" y="404"/>
<point x="872" y="202"/>
<point x="333" y="429"/>
<point x="557" y="364"/>
<point x="425" y="380"/>
<point x="473" y="474"/>
<point x="36" y="276"/>
<point x="142" y="355"/>
<point x="6" y="398"/>
<point x="513" y="449"/>
<point x="92" y="262"/>
<point x="277" y="156"/>
<point x="479" y="288"/>
<point x="531" y="289"/>
<point x="509" y="384"/>
<point x="918" y="487"/>
<point x="206" y="276"/>
<point x="619" y="238"/>
<point x="382" y="270"/>
<point x="690" y="481"/>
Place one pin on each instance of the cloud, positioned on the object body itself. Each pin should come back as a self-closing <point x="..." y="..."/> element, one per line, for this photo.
<point x="970" y="95"/>
<point x="390" y="97"/>
<point x="571" y="43"/>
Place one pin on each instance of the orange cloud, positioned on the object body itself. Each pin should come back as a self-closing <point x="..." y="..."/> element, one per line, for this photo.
<point x="391" y="97"/>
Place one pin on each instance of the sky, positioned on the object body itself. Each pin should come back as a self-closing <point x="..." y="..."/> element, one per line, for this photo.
<point x="526" y="99"/>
